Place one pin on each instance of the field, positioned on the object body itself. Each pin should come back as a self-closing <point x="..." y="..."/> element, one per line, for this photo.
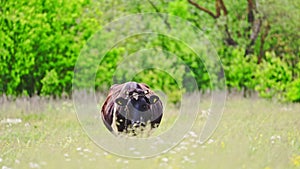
<point x="253" y="134"/>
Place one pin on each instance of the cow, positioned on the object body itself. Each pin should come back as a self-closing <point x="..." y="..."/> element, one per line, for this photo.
<point x="130" y="106"/>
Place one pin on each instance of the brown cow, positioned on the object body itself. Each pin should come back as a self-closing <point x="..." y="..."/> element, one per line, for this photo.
<point x="131" y="105"/>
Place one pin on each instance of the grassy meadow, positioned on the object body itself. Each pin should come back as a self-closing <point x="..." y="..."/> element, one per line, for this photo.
<point x="253" y="134"/>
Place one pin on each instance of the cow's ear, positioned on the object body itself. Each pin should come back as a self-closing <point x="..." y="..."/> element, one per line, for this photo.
<point x="144" y="85"/>
<point x="121" y="101"/>
<point x="153" y="99"/>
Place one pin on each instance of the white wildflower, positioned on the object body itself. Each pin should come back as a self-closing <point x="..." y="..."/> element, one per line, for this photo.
<point x="183" y="147"/>
<point x="11" y="121"/>
<point x="87" y="150"/>
<point x="193" y="134"/>
<point x="136" y="153"/>
<point x="92" y="159"/>
<point x="210" y="141"/>
<point x="194" y="145"/>
<point x="131" y="148"/>
<point x="275" y="138"/>
<point x="34" y="165"/>
<point x="192" y="153"/>
<point x="165" y="159"/>
<point x="187" y="159"/>
<point x="184" y="143"/>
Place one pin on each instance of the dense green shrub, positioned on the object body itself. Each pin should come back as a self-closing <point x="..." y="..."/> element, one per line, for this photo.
<point x="240" y="70"/>
<point x="41" y="40"/>
<point x="273" y="76"/>
<point x="293" y="89"/>
<point x="39" y="36"/>
<point x="50" y="84"/>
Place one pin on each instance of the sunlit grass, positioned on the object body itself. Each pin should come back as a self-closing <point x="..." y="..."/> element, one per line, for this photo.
<point x="253" y="133"/>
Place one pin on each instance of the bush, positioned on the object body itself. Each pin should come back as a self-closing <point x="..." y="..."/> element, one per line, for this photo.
<point x="50" y="84"/>
<point x="41" y="40"/>
<point x="240" y="70"/>
<point x="293" y="89"/>
<point x="273" y="76"/>
<point x="39" y="36"/>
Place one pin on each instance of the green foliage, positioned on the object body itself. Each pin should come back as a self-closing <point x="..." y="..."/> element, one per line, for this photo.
<point x="240" y="72"/>
<point x="178" y="8"/>
<point x="293" y="91"/>
<point x="284" y="33"/>
<point x="120" y="65"/>
<point x="50" y="84"/>
<point x="38" y="36"/>
<point x="107" y="68"/>
<point x="184" y="55"/>
<point x="273" y="76"/>
<point x="41" y="40"/>
<point x="160" y="80"/>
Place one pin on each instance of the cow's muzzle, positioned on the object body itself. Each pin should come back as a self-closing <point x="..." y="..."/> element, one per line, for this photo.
<point x="138" y="124"/>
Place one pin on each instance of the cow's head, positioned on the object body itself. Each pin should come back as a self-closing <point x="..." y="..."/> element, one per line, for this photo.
<point x="130" y="105"/>
<point x="135" y="106"/>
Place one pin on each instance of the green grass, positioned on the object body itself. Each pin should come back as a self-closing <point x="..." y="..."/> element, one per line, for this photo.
<point x="253" y="133"/>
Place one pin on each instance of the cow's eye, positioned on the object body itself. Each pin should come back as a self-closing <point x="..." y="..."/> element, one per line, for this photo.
<point x="153" y="99"/>
<point x="146" y="92"/>
<point x="121" y="101"/>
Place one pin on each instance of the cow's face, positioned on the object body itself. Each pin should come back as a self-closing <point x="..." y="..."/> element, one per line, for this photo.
<point x="135" y="107"/>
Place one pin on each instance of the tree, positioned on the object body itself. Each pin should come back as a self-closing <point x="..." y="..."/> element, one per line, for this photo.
<point x="256" y="26"/>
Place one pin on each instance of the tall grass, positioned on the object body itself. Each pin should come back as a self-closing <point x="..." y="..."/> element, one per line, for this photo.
<point x="253" y="133"/>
